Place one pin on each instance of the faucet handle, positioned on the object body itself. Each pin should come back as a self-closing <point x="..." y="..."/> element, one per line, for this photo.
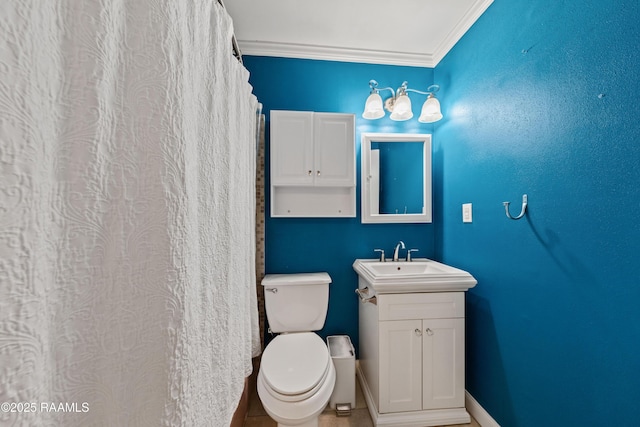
<point x="409" y="254"/>
<point x="382" y="259"/>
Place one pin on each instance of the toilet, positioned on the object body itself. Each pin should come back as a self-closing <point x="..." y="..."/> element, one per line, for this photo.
<point x="297" y="375"/>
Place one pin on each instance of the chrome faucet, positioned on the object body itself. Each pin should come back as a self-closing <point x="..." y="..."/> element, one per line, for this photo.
<point x="395" y="252"/>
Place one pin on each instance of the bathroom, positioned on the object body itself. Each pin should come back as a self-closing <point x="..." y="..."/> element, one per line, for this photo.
<point x="538" y="99"/>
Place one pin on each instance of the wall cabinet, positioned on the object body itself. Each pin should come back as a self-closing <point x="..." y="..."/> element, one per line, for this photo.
<point x="312" y="164"/>
<point x="412" y="358"/>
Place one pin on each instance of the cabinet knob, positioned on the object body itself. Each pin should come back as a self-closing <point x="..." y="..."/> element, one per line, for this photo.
<point x="418" y="332"/>
<point x="318" y="173"/>
<point x="429" y="331"/>
<point x="310" y="172"/>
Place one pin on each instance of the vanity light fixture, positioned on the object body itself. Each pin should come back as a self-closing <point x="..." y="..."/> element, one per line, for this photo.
<point x="399" y="104"/>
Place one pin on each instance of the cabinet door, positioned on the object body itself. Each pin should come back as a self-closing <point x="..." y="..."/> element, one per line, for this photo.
<point x="443" y="363"/>
<point x="400" y="366"/>
<point x="292" y="148"/>
<point x="334" y="153"/>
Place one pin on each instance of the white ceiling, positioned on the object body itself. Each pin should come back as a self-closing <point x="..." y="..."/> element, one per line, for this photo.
<point x="398" y="32"/>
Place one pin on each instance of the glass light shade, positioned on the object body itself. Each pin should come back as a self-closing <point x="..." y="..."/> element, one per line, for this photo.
<point x="401" y="109"/>
<point x="430" y="110"/>
<point x="373" y="107"/>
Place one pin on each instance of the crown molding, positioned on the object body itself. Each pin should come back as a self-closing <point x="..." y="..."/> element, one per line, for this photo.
<point x="460" y="30"/>
<point x="330" y="53"/>
<point x="370" y="56"/>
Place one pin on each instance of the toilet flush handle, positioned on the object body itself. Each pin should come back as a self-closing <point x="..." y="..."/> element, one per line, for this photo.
<point x="274" y="290"/>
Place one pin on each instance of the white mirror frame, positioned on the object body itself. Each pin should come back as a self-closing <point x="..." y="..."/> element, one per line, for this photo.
<point x="368" y="217"/>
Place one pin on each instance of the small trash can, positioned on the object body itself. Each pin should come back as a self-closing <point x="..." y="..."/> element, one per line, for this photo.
<point x="343" y="398"/>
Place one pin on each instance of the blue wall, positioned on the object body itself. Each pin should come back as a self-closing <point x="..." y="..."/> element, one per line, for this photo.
<point x="326" y="244"/>
<point x="542" y="98"/>
<point x="539" y="98"/>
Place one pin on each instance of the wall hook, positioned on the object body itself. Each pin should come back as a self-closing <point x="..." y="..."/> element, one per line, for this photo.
<point x="522" y="212"/>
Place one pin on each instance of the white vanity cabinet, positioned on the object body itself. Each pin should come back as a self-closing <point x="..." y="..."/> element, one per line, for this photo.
<point x="412" y="358"/>
<point x="312" y="164"/>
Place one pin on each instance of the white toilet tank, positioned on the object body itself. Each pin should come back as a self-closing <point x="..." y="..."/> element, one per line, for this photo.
<point x="296" y="302"/>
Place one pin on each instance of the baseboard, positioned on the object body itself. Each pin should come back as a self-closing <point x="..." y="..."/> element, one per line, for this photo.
<point x="478" y="412"/>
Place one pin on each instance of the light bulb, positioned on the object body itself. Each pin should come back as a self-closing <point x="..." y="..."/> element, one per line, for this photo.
<point x="430" y="110"/>
<point x="373" y="107"/>
<point x="402" y="109"/>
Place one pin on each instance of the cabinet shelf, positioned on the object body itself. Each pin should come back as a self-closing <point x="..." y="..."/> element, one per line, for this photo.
<point x="312" y="202"/>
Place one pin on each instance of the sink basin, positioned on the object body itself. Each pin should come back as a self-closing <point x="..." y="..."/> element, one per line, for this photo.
<point x="419" y="275"/>
<point x="400" y="268"/>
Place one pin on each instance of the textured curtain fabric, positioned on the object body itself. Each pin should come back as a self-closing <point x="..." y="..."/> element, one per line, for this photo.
<point x="127" y="214"/>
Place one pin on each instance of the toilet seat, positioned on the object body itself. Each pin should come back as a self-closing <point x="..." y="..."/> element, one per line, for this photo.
<point x="296" y="413"/>
<point x="295" y="366"/>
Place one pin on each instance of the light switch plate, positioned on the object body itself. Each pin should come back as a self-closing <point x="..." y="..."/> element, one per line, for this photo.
<point x="467" y="212"/>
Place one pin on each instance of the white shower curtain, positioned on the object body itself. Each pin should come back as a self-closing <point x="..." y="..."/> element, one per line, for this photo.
<point x="127" y="245"/>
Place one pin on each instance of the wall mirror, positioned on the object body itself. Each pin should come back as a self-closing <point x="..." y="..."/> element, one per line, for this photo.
<point x="396" y="178"/>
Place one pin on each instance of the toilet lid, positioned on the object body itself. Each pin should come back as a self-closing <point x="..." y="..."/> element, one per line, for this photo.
<point x="295" y="363"/>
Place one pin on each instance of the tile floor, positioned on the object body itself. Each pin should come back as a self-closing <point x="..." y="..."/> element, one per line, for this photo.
<point x="359" y="417"/>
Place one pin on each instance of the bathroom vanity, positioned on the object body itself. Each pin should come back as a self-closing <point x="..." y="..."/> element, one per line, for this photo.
<point x="411" y="365"/>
